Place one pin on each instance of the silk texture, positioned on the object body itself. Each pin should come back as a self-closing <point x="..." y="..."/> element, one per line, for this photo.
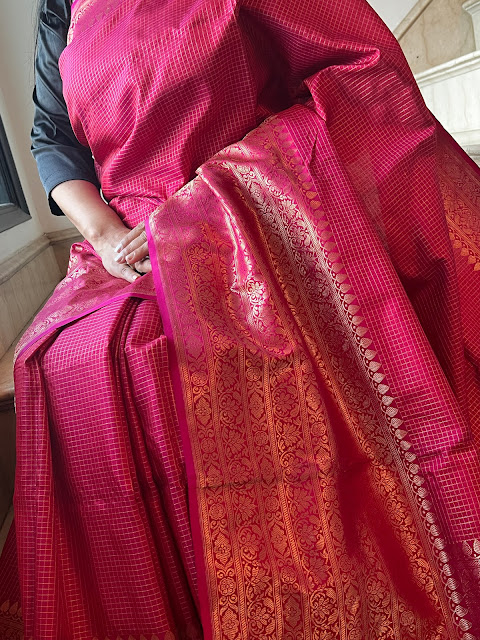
<point x="275" y="435"/>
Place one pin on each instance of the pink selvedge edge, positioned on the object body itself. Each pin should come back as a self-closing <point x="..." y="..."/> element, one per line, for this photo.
<point x="202" y="599"/>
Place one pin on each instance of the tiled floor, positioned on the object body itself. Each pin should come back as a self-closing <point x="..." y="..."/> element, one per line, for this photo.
<point x="5" y="528"/>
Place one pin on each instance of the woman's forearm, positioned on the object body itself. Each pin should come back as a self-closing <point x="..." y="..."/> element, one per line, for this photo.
<point x="81" y="202"/>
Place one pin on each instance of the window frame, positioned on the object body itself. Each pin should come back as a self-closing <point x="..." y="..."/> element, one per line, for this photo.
<point x="15" y="211"/>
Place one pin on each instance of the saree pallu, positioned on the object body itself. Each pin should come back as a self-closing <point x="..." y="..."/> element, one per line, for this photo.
<point x="274" y="435"/>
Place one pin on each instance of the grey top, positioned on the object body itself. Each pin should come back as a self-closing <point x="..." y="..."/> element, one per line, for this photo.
<point x="58" y="153"/>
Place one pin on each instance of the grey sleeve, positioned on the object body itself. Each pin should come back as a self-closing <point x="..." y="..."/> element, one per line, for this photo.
<point x="59" y="155"/>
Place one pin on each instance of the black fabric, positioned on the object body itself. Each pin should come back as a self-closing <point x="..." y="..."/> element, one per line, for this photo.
<point x="59" y="155"/>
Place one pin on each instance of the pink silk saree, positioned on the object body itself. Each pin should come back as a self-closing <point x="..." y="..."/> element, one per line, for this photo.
<point x="275" y="435"/>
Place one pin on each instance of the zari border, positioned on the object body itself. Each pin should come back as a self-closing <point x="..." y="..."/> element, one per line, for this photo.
<point x="407" y="462"/>
<point x="11" y="624"/>
<point x="79" y="8"/>
<point x="467" y="248"/>
<point x="373" y="369"/>
<point x="461" y="240"/>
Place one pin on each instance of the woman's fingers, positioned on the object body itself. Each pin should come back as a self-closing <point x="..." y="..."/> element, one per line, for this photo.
<point x="143" y="266"/>
<point x="130" y="236"/>
<point x="134" y="247"/>
<point x="128" y="274"/>
<point x="115" y="263"/>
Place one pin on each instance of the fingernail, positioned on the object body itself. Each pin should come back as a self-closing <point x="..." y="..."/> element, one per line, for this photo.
<point x="136" y="277"/>
<point x="118" y="258"/>
<point x="118" y="247"/>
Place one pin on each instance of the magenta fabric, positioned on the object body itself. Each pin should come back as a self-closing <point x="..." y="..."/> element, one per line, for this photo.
<point x="275" y="434"/>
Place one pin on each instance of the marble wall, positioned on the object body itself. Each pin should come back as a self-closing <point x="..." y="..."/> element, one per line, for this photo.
<point x="441" y="39"/>
<point x="27" y="281"/>
<point x="392" y="12"/>
<point x="451" y="92"/>
<point x="442" y="32"/>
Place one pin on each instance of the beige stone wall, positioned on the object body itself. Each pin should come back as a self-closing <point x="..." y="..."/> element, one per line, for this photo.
<point x="443" y="31"/>
<point x="26" y="281"/>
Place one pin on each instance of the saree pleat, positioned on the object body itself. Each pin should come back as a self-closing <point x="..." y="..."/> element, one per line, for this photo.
<point x="118" y="470"/>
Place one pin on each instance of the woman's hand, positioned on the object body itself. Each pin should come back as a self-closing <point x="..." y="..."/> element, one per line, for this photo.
<point x="133" y="250"/>
<point x="106" y="250"/>
<point x="101" y="226"/>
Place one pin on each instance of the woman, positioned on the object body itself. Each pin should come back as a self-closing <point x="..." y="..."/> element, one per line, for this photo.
<point x="287" y="449"/>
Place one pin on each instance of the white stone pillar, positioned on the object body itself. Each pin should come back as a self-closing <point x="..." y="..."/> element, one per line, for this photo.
<point x="473" y="8"/>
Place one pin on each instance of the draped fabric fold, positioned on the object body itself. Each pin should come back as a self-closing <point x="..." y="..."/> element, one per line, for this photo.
<point x="299" y="342"/>
<point x="275" y="435"/>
